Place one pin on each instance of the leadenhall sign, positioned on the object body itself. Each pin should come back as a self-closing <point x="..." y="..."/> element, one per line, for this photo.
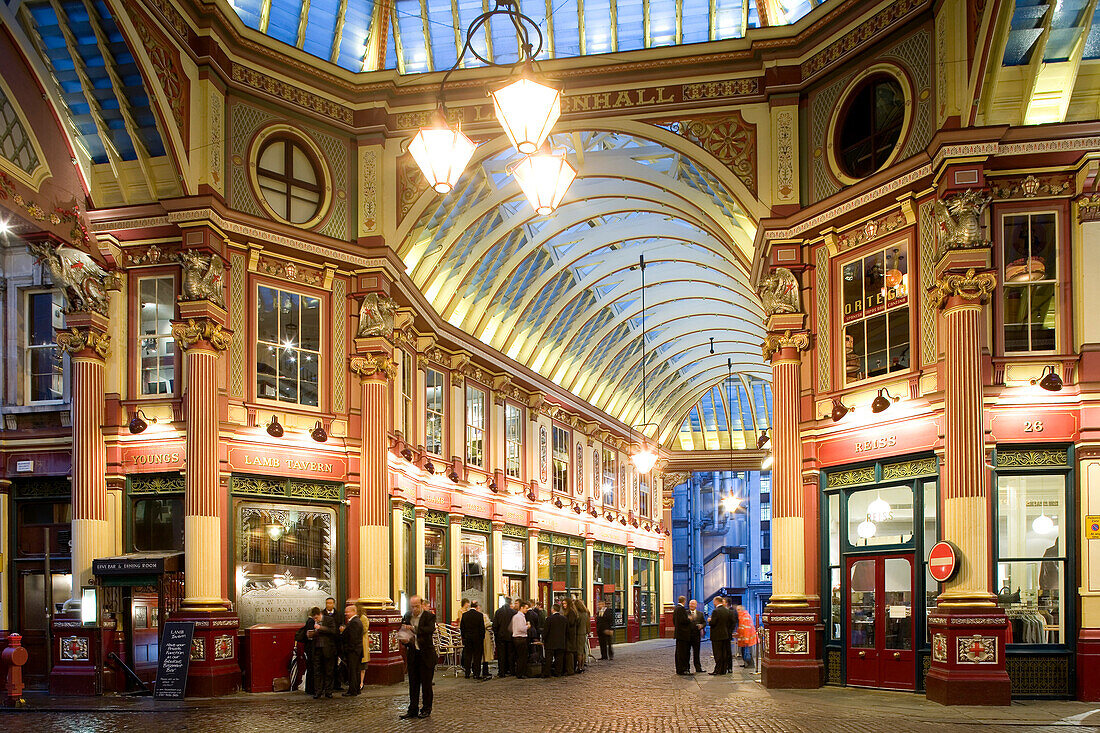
<point x="287" y="463"/>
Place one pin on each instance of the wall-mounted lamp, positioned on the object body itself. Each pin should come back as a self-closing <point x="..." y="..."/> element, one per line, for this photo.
<point x="138" y="421"/>
<point x="763" y="439"/>
<point x="407" y="454"/>
<point x="576" y="507"/>
<point x="557" y="502"/>
<point x="493" y="486"/>
<point x="429" y="467"/>
<point x="839" y="410"/>
<point x="1049" y="380"/>
<point x="274" y="429"/>
<point x="318" y="433"/>
<point x="453" y="476"/>
<point x="882" y="401"/>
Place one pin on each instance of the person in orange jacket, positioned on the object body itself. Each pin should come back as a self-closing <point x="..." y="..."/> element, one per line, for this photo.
<point x="746" y="636"/>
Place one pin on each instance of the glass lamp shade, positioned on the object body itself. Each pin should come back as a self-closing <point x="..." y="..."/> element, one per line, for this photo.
<point x="866" y="529"/>
<point x="1043" y="525"/>
<point x="527" y="111"/>
<point x="644" y="459"/>
<point x="731" y="503"/>
<point x="544" y="179"/>
<point x="442" y="154"/>
<point x="879" y="510"/>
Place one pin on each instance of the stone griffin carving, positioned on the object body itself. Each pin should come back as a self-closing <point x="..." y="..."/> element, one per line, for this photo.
<point x="376" y="316"/>
<point x="779" y="292"/>
<point x="203" y="329"/>
<point x="85" y="282"/>
<point x="971" y="286"/>
<point x="203" y="277"/>
<point x="959" y="218"/>
<point x="76" y="340"/>
<point x="777" y="342"/>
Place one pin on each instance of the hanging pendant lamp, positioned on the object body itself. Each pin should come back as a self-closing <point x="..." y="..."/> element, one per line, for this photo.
<point x="442" y="154"/>
<point x="544" y="179"/>
<point x="527" y="111"/>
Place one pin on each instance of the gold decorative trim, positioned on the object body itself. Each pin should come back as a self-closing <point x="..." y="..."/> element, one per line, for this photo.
<point x="971" y="286"/>
<point x="369" y="366"/>
<point x="1028" y="458"/>
<point x="851" y="477"/>
<point x="76" y="340"/>
<point x="776" y="342"/>
<point x="910" y="469"/>
<point x="203" y="329"/>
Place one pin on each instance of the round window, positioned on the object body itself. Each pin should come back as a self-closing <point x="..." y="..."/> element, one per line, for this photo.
<point x="290" y="180"/>
<point x="871" y="126"/>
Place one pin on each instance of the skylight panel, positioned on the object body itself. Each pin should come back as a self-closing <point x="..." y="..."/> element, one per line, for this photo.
<point x="321" y="28"/>
<point x="442" y="31"/>
<point x="597" y="26"/>
<point x="696" y="15"/>
<point x="566" y="35"/>
<point x="662" y="22"/>
<point x="282" y="21"/>
<point x="631" y="17"/>
<point x="353" y="39"/>
<point x="411" y="26"/>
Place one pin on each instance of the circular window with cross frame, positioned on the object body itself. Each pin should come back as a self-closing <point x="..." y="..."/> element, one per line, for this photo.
<point x="288" y="175"/>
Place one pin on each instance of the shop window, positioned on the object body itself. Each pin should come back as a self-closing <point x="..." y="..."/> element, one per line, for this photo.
<point x="288" y="350"/>
<point x="880" y="516"/>
<point x="1031" y="555"/>
<point x="35" y="517"/>
<point x="284" y="559"/>
<point x="1029" y="254"/>
<point x="475" y="426"/>
<point x="544" y="562"/>
<point x="607" y="569"/>
<point x="45" y="376"/>
<point x="435" y="548"/>
<point x="876" y="314"/>
<point x="561" y="460"/>
<point x="607" y="484"/>
<point x="513" y="441"/>
<point x="290" y="180"/>
<point x="930" y="537"/>
<point x="158" y="524"/>
<point x="871" y="124"/>
<point x="513" y="556"/>
<point x="408" y="537"/>
<point x="157" y="348"/>
<point x="408" y="389"/>
<point x="434" y="400"/>
<point x="475" y="567"/>
<point x="645" y="590"/>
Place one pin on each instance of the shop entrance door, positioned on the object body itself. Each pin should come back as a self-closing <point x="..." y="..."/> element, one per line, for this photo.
<point x="436" y="593"/>
<point x="880" y="622"/>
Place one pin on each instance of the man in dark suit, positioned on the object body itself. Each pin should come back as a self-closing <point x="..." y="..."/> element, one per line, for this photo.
<point x="420" y="657"/>
<point x="324" y="654"/>
<point x="351" y="646"/>
<point x="337" y="619"/>
<point x="555" y="641"/>
<point x="605" y="629"/>
<point x="502" y="633"/>
<point x="721" y="628"/>
<point x="472" y="627"/>
<point x="698" y="622"/>
<point x="682" y="625"/>
<point x="534" y="635"/>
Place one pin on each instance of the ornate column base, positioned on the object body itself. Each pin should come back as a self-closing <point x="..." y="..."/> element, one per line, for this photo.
<point x="215" y="668"/>
<point x="79" y="652"/>
<point x="667" y="627"/>
<point x="1088" y="665"/>
<point x="968" y="656"/>
<point x="792" y="649"/>
<point x="387" y="663"/>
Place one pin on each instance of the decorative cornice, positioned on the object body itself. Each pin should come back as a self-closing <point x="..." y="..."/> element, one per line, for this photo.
<point x="77" y="340"/>
<point x="776" y="342"/>
<point x="971" y="286"/>
<point x="206" y="330"/>
<point x="372" y="365"/>
<point x="1031" y="186"/>
<point x="1088" y="208"/>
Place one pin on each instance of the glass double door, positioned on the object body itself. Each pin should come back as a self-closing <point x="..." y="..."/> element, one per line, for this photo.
<point x="880" y="622"/>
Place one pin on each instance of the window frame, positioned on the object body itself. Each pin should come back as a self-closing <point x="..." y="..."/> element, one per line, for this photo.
<point x="408" y="396"/>
<point x="1062" y="296"/>
<point x="483" y="429"/>
<point x="519" y="443"/>
<point x="138" y="391"/>
<point x="607" y="456"/>
<point x="846" y="109"/>
<point x="28" y="348"/>
<point x="324" y="346"/>
<point x="556" y="462"/>
<point x="905" y="244"/>
<point x="276" y="133"/>
<point x="428" y="412"/>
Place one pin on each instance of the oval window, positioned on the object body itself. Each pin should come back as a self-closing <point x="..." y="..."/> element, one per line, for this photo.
<point x="290" y="180"/>
<point x="872" y="123"/>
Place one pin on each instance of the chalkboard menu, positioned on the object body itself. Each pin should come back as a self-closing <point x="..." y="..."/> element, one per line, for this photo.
<point x="175" y="657"/>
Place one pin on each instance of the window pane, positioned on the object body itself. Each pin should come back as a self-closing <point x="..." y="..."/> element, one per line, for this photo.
<point x="311" y="323"/>
<point x="433" y="400"/>
<point x="434" y="548"/>
<point x="1031" y="594"/>
<point x="836" y="607"/>
<point x="1042" y="317"/>
<point x="475" y="567"/>
<point x="1030" y="515"/>
<point x="158" y="524"/>
<point x="267" y="319"/>
<point x="834" y="529"/>
<point x="514" y="558"/>
<point x="899" y="602"/>
<point x="876" y="346"/>
<point x="880" y="516"/>
<point x="861" y="591"/>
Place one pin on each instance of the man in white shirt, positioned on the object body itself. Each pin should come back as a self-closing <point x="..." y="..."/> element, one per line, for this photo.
<point x="519" y="627"/>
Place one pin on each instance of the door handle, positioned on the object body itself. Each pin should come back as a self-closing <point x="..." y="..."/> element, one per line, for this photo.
<point x="897" y="655"/>
<point x="862" y="655"/>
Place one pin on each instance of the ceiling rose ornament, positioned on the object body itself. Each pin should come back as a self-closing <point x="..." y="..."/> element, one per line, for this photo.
<point x="526" y="109"/>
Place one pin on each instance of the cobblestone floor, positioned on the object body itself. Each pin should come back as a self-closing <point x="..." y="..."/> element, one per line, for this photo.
<point x="636" y="693"/>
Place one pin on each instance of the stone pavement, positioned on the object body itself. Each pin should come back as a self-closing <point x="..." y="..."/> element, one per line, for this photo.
<point x="636" y="693"/>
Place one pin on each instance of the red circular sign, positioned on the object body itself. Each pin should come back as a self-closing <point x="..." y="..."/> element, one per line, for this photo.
<point x="943" y="562"/>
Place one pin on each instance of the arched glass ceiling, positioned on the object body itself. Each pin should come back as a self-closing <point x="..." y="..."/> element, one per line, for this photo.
<point x="562" y="294"/>
<point x="426" y="35"/>
<point x="729" y="415"/>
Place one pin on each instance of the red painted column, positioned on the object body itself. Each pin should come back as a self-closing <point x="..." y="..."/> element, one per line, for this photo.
<point x="968" y="629"/>
<point x="214" y="669"/>
<point x="792" y="619"/>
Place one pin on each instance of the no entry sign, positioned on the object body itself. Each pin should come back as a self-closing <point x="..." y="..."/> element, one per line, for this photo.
<point x="943" y="561"/>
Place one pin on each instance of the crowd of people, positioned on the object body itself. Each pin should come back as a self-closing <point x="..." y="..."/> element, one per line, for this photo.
<point x="331" y="653"/>
<point x="726" y="625"/>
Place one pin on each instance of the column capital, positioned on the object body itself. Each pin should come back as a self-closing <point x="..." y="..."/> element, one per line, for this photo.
<point x="201" y="332"/>
<point x="777" y="343"/>
<point x="966" y="288"/>
<point x="373" y="365"/>
<point x="86" y="341"/>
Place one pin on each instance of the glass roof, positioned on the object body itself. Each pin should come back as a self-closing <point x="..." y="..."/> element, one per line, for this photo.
<point x="1066" y="22"/>
<point x="415" y="36"/>
<point x="562" y="293"/>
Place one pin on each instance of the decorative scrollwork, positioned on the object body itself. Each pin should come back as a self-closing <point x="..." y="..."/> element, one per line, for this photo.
<point x="202" y="329"/>
<point x="1017" y="458"/>
<point x="972" y="286"/>
<point x="777" y="342"/>
<point x="371" y="365"/>
<point x="76" y="340"/>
